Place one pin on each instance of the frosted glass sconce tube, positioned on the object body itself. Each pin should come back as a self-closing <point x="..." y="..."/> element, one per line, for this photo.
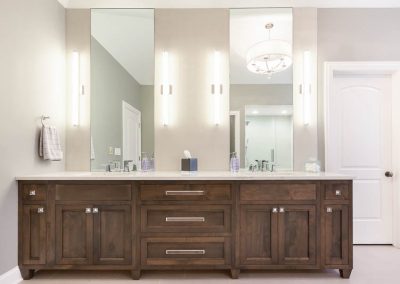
<point x="75" y="88"/>
<point x="216" y="87"/>
<point x="166" y="88"/>
<point x="306" y="87"/>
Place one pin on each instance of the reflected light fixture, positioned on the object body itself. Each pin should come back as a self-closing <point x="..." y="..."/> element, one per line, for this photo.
<point x="75" y="88"/>
<point x="269" y="56"/>
<point x="306" y="87"/>
<point x="216" y="87"/>
<point x="166" y="88"/>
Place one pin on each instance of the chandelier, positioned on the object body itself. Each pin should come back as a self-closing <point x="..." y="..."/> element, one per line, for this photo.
<point x="269" y="56"/>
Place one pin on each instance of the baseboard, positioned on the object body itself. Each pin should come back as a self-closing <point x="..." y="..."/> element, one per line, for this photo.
<point x="13" y="276"/>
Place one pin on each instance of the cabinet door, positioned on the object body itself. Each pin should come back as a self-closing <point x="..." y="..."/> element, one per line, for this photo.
<point x="258" y="235"/>
<point x="336" y="225"/>
<point x="74" y="235"/>
<point x="34" y="234"/>
<point x="112" y="234"/>
<point x="297" y="234"/>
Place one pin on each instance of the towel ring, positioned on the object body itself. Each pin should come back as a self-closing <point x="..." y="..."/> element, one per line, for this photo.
<point x="43" y="118"/>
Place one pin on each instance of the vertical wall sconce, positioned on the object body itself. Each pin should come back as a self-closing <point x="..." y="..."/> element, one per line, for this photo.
<point x="216" y="87"/>
<point x="306" y="87"/>
<point x="75" y="88"/>
<point x="166" y="88"/>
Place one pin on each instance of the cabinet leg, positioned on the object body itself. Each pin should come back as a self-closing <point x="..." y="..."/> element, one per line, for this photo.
<point x="345" y="273"/>
<point x="135" y="274"/>
<point x="26" y="274"/>
<point x="235" y="273"/>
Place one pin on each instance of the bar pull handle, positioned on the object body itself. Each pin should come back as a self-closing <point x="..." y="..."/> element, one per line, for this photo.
<point x="184" y="192"/>
<point x="185" y="219"/>
<point x="185" y="251"/>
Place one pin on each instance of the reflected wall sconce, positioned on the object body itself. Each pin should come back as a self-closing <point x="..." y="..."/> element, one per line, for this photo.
<point x="216" y="87"/>
<point x="75" y="88"/>
<point x="305" y="88"/>
<point x="166" y="88"/>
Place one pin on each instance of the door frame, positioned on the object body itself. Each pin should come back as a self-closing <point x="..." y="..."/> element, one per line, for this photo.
<point x="126" y="106"/>
<point x="391" y="68"/>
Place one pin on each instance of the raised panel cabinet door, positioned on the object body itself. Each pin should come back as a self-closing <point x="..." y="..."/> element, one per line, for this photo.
<point x="336" y="226"/>
<point x="258" y="235"/>
<point x="112" y="234"/>
<point x="297" y="234"/>
<point x="34" y="234"/>
<point x="74" y="234"/>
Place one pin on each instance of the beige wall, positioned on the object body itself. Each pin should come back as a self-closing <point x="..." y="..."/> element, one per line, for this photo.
<point x="354" y="35"/>
<point x="191" y="36"/>
<point x="242" y="95"/>
<point x="305" y="138"/>
<point x="78" y="138"/>
<point x="32" y="72"/>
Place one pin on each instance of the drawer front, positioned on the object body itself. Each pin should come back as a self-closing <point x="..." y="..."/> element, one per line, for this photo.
<point x="186" y="219"/>
<point x="200" y="192"/>
<point x="93" y="192"/>
<point x="337" y="191"/>
<point x="278" y="192"/>
<point x="202" y="251"/>
<point x="34" y="192"/>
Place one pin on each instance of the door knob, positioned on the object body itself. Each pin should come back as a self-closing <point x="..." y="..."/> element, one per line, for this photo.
<point x="388" y="174"/>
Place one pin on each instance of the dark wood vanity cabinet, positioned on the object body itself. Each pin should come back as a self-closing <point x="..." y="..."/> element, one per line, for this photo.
<point x="148" y="225"/>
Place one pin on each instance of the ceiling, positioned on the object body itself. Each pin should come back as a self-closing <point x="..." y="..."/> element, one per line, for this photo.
<point x="128" y="35"/>
<point x="247" y="27"/>
<point x="226" y="3"/>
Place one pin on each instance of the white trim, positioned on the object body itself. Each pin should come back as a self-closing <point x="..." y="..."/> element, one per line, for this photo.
<point x="126" y="106"/>
<point x="376" y="67"/>
<point x="13" y="276"/>
<point x="236" y="114"/>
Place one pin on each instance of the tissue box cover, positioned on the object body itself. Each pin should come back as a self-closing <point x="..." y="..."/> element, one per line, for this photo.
<point x="189" y="165"/>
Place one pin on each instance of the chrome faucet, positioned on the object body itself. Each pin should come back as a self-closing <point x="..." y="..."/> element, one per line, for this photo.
<point x="126" y="165"/>
<point x="264" y="165"/>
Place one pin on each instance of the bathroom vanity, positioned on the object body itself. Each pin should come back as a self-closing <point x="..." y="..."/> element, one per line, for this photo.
<point x="166" y="220"/>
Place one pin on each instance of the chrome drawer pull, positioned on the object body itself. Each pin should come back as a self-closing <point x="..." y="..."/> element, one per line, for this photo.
<point x="338" y="192"/>
<point x="185" y="219"/>
<point x="184" y="192"/>
<point x="32" y="192"/>
<point x="329" y="209"/>
<point x="185" y="251"/>
<point x="40" y="210"/>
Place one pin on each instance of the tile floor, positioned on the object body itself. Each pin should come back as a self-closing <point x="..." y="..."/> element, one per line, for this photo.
<point x="373" y="265"/>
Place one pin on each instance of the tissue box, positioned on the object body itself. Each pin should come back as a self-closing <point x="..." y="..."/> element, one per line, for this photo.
<point x="189" y="165"/>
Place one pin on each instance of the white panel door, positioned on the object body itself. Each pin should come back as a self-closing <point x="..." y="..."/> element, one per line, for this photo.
<point x="131" y="133"/>
<point x="359" y="142"/>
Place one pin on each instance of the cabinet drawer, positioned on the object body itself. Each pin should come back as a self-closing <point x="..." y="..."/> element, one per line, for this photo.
<point x="91" y="192"/>
<point x="34" y="192"/>
<point x="201" y="192"/>
<point x="202" y="251"/>
<point x="278" y="192"/>
<point x="337" y="191"/>
<point x="167" y="218"/>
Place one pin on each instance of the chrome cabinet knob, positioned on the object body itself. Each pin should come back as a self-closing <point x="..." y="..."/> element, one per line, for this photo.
<point x="338" y="192"/>
<point x="281" y="210"/>
<point x="274" y="210"/>
<point x="329" y="209"/>
<point x="32" y="192"/>
<point x="388" y="174"/>
<point x="88" y="210"/>
<point x="40" y="210"/>
<point x="95" y="210"/>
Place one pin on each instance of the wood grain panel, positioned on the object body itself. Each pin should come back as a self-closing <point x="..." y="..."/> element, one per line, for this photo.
<point x="34" y="234"/>
<point x="97" y="192"/>
<point x="278" y="192"/>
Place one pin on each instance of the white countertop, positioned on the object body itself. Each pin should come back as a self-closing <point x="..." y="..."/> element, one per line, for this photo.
<point x="175" y="175"/>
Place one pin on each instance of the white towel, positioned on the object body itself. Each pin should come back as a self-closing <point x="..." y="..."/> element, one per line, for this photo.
<point x="49" y="144"/>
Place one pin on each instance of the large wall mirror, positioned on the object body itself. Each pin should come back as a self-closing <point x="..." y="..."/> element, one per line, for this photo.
<point x="261" y="90"/>
<point x="122" y="88"/>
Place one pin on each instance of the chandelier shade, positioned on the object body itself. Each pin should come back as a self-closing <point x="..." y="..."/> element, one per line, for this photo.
<point x="269" y="57"/>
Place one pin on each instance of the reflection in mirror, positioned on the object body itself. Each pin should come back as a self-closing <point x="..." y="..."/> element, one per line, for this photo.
<point x="261" y="91"/>
<point x="122" y="88"/>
